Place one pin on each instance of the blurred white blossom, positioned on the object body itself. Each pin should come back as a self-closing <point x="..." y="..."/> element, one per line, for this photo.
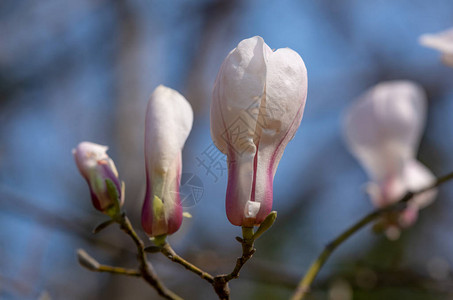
<point x="383" y="129"/>
<point x="442" y="41"/>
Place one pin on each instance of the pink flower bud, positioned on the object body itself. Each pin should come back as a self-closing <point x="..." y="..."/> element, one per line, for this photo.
<point x="383" y="131"/>
<point x="107" y="192"/>
<point x="257" y="105"/>
<point x="169" y="120"/>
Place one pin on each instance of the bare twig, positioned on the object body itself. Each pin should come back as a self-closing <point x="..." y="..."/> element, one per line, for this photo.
<point x="220" y="283"/>
<point x="92" y="264"/>
<point x="119" y="270"/>
<point x="171" y="254"/>
<point x="146" y="269"/>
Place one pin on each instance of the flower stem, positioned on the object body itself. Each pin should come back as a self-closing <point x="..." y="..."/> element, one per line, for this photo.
<point x="221" y="281"/>
<point x="247" y="252"/>
<point x="304" y="285"/>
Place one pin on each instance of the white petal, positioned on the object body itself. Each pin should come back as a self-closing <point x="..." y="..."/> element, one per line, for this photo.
<point x="442" y="41"/>
<point x="383" y="128"/>
<point x="88" y="154"/>
<point x="280" y="116"/>
<point x="286" y="94"/>
<point x="416" y="177"/>
<point x="169" y="118"/>
<point x="238" y="91"/>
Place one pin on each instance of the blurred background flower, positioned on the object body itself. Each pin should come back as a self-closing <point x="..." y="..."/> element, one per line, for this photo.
<point x="443" y="42"/>
<point x="83" y="70"/>
<point x="383" y="129"/>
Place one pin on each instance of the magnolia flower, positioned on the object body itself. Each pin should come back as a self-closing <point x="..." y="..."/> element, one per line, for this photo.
<point x="383" y="131"/>
<point x="107" y="192"/>
<point x="169" y="119"/>
<point x="442" y="41"/>
<point x="257" y="105"/>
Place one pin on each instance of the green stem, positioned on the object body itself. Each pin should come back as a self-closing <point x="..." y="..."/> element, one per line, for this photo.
<point x="304" y="285"/>
<point x="247" y="252"/>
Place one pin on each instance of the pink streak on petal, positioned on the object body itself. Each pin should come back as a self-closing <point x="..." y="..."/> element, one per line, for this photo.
<point x="147" y="216"/>
<point x="95" y="199"/>
<point x="175" y="219"/>
<point x="235" y="212"/>
<point x="150" y="225"/>
<point x="266" y="203"/>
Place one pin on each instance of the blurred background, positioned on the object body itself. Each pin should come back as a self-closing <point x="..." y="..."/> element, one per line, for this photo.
<point x="83" y="70"/>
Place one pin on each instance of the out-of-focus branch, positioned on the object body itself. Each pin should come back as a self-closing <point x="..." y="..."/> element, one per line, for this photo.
<point x="91" y="264"/>
<point x="26" y="208"/>
<point x="304" y="285"/>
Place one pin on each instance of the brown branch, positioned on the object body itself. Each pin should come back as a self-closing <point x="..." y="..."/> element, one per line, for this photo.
<point x="146" y="269"/>
<point x="220" y="283"/>
<point x="171" y="254"/>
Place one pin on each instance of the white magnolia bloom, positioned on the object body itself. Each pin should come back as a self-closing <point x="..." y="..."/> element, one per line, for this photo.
<point x="257" y="105"/>
<point x="169" y="118"/>
<point x="383" y="129"/>
<point x="443" y="42"/>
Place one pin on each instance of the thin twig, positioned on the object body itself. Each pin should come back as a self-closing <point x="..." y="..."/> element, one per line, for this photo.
<point x="146" y="269"/>
<point x="221" y="281"/>
<point x="168" y="251"/>
<point x="92" y="264"/>
<point x="304" y="285"/>
<point x="119" y="270"/>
